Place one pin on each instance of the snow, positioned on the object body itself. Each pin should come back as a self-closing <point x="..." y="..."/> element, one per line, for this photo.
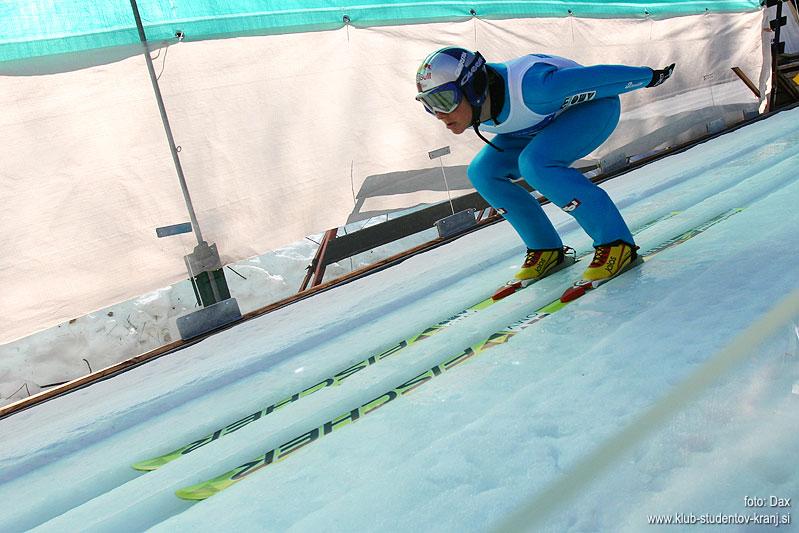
<point x="488" y="437"/>
<point x="100" y="339"/>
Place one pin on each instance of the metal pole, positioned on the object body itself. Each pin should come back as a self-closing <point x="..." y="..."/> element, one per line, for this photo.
<point x="154" y="79"/>
<point x="451" y="206"/>
<point x="438" y="154"/>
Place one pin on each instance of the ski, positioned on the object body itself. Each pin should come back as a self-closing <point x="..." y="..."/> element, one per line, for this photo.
<point x="582" y="286"/>
<point x="206" y="489"/>
<point x="157" y="462"/>
<point x="517" y="284"/>
<point x="154" y="463"/>
<point x="571" y="257"/>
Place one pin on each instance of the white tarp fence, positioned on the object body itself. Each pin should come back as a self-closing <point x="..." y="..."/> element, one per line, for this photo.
<point x="279" y="133"/>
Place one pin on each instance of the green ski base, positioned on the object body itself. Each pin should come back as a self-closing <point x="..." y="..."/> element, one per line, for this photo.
<point x="157" y="462"/>
<point x="206" y="489"/>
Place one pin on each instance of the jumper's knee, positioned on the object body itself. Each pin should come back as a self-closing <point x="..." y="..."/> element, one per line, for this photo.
<point x="479" y="173"/>
<point x="535" y="170"/>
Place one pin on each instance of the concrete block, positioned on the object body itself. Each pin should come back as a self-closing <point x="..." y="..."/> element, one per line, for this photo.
<point x="208" y="318"/>
<point x="456" y="223"/>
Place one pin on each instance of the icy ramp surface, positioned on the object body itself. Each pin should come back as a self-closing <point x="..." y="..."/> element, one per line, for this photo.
<point x="466" y="449"/>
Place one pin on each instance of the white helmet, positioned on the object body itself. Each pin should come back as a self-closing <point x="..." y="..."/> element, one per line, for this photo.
<point x="446" y="75"/>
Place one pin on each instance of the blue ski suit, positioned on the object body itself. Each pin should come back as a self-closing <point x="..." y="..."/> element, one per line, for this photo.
<point x="554" y="112"/>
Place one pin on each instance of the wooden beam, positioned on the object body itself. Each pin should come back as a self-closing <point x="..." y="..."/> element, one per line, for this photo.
<point x="744" y="78"/>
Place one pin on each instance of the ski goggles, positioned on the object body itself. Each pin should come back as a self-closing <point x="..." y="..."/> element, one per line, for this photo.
<point x="443" y="99"/>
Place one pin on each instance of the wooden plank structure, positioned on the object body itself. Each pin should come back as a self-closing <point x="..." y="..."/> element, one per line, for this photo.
<point x="784" y="67"/>
<point x="334" y="248"/>
<point x="787" y="79"/>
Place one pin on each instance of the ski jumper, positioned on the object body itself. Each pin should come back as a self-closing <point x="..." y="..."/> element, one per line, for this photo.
<point x="555" y="112"/>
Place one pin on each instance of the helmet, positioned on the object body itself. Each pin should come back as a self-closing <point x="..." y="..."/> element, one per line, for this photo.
<point x="446" y="75"/>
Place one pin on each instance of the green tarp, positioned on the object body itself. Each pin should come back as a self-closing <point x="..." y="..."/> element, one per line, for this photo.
<point x="37" y="28"/>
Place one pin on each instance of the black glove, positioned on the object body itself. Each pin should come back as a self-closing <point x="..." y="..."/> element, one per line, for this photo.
<point x="659" y="76"/>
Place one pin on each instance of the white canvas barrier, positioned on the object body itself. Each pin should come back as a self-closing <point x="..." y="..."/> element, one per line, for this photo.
<point x="281" y="136"/>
